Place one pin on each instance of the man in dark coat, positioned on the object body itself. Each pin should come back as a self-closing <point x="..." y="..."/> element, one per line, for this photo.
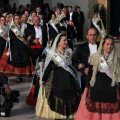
<point x="79" y="21"/>
<point x="71" y="30"/>
<point x="83" y="52"/>
<point x="37" y="37"/>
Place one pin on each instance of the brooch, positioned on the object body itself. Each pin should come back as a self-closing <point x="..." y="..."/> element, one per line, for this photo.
<point x="101" y="61"/>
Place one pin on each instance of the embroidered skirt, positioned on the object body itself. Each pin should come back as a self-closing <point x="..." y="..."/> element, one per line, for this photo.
<point x="61" y="97"/>
<point x="11" y="70"/>
<point x="85" y="111"/>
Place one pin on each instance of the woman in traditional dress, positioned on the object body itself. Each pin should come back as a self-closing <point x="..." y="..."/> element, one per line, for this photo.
<point x="64" y="10"/>
<point x="30" y="18"/>
<point x="97" y="23"/>
<point x="61" y="88"/>
<point x="61" y="17"/>
<point x="3" y="34"/>
<point x="16" y="60"/>
<point x="101" y="99"/>
<point x="53" y="26"/>
<point x="33" y="93"/>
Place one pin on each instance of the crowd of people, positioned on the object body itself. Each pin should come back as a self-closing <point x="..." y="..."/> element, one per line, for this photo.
<point x="75" y="81"/>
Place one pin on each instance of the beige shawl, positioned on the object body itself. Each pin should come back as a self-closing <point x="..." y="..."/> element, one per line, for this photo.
<point x="114" y="69"/>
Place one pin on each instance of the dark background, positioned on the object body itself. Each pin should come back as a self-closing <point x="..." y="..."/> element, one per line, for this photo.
<point x="114" y="13"/>
<point x="114" y="17"/>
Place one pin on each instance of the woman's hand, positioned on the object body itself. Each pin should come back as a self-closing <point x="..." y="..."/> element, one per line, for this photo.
<point x="36" y="41"/>
<point x="80" y="66"/>
<point x="41" y="83"/>
<point x="29" y="38"/>
<point x="5" y="36"/>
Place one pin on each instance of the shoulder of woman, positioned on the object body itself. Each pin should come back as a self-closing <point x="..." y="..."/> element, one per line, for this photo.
<point x="24" y="26"/>
<point x="118" y="60"/>
<point x="94" y="58"/>
<point x="69" y="50"/>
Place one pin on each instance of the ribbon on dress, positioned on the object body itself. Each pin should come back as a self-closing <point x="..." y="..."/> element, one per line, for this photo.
<point x="54" y="27"/>
<point x="18" y="35"/>
<point x="104" y="66"/>
<point x="60" y="61"/>
<point x="101" y="31"/>
<point x="1" y="32"/>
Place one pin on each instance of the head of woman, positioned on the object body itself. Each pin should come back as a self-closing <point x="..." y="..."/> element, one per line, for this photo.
<point x="53" y="16"/>
<point x="108" y="45"/>
<point x="95" y="15"/>
<point x="62" y="41"/>
<point x="33" y="14"/>
<point x="8" y="17"/>
<point x="11" y="16"/>
<point x="2" y="20"/>
<point x="26" y="12"/>
<point x="17" y="19"/>
<point x="58" y="11"/>
<point x="64" y="10"/>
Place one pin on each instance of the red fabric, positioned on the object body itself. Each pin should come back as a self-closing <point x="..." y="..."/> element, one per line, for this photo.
<point x="31" y="99"/>
<point x="65" y="14"/>
<point x="71" y="23"/>
<point x="7" y="69"/>
<point x="84" y="114"/>
<point x="37" y="46"/>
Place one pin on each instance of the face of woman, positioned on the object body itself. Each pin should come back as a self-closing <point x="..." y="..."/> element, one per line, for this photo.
<point x="95" y="16"/>
<point x="53" y="17"/>
<point x="2" y="21"/>
<point x="58" y="12"/>
<point x="26" y="13"/>
<point x="8" y="18"/>
<point x="108" y="45"/>
<point x="11" y="16"/>
<point x="64" y="10"/>
<point x="63" y="42"/>
<point x="33" y="15"/>
<point x="17" y="20"/>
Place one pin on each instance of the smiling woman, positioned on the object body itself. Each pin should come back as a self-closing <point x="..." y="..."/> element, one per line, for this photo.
<point x="61" y="89"/>
<point x="16" y="60"/>
<point x="101" y="99"/>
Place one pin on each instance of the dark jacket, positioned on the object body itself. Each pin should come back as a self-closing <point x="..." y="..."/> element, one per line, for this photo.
<point x="81" y="55"/>
<point x="79" y="19"/>
<point x="68" y="17"/>
<point x="52" y="32"/>
<point x="31" y="31"/>
<point x="19" y="52"/>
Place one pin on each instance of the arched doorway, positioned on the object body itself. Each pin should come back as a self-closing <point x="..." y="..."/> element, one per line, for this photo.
<point x="114" y="17"/>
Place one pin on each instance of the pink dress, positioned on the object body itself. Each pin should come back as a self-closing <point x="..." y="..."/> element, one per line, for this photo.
<point x="84" y="114"/>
